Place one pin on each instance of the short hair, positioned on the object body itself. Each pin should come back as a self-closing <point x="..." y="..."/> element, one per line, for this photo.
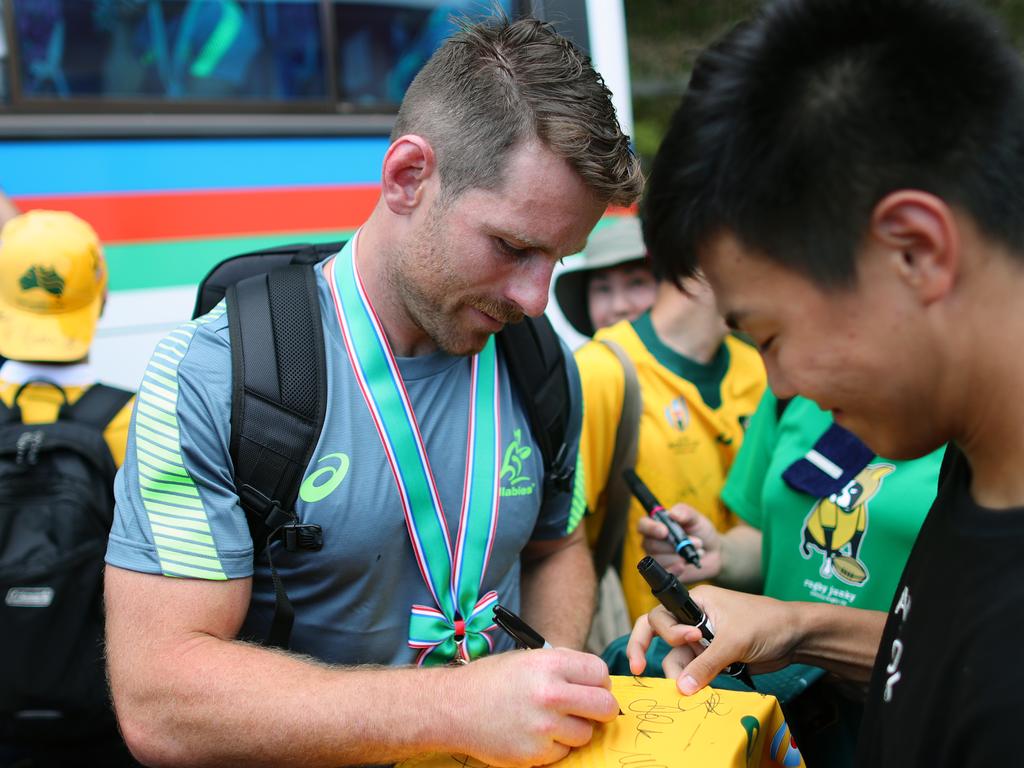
<point x="497" y="83"/>
<point x="800" y="120"/>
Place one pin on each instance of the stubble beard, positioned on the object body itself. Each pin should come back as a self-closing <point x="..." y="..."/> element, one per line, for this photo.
<point x="422" y="278"/>
<point x="432" y="293"/>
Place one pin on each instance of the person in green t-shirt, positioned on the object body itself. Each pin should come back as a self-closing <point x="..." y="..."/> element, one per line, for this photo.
<point x="847" y="549"/>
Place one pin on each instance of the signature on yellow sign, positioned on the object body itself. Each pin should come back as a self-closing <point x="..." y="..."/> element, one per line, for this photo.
<point x="660" y="728"/>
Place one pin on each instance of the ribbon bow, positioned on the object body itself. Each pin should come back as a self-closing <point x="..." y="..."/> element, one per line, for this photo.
<point x="441" y="639"/>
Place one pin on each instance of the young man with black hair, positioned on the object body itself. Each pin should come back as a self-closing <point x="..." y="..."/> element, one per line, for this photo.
<point x="849" y="174"/>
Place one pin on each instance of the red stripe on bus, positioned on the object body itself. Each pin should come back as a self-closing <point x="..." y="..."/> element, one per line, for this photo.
<point x="141" y="217"/>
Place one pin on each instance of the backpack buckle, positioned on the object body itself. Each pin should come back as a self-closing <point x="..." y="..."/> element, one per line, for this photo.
<point x="269" y="511"/>
<point x="307" y="537"/>
<point x="560" y="476"/>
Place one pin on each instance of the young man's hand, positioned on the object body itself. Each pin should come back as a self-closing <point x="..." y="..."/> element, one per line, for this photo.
<point x="757" y="630"/>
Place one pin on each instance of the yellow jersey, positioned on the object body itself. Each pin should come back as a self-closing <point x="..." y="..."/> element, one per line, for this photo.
<point x="685" y="446"/>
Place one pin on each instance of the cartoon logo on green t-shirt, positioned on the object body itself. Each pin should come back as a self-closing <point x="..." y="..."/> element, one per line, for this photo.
<point x="514" y="480"/>
<point x="836" y="526"/>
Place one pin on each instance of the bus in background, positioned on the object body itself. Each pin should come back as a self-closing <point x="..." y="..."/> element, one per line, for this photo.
<point x="186" y="131"/>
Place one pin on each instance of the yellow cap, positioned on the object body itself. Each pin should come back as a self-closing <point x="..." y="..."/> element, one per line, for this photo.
<point x="53" y="281"/>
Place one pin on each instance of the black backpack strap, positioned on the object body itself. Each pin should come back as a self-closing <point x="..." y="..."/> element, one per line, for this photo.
<point x="278" y="403"/>
<point x="97" y="406"/>
<point x="12" y="414"/>
<point x="536" y="364"/>
<point x="226" y="273"/>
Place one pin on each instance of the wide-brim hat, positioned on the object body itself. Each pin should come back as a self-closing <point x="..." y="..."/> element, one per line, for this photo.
<point x="612" y="244"/>
<point x="53" y="282"/>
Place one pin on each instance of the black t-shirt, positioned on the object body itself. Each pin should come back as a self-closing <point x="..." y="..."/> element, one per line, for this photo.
<point x="948" y="683"/>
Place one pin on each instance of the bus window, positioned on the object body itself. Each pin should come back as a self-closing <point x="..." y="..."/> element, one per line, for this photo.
<point x="382" y="45"/>
<point x="168" y="50"/>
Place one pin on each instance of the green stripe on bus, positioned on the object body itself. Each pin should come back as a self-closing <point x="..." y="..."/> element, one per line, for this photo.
<point x="185" y="262"/>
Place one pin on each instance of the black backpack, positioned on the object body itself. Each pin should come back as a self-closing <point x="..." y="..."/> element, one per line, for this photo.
<point x="56" y="508"/>
<point x="279" y="392"/>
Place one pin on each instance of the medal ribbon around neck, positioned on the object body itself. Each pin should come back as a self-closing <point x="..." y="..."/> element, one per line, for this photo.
<point x="456" y="627"/>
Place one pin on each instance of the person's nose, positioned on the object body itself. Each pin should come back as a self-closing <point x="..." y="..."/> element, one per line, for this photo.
<point x="528" y="287"/>
<point x="621" y="304"/>
<point x="778" y="382"/>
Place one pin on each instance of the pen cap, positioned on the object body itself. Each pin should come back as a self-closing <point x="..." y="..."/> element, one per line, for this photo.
<point x="654" y="574"/>
<point x="670" y="592"/>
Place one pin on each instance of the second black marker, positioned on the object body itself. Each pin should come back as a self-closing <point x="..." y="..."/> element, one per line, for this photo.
<point x="680" y="541"/>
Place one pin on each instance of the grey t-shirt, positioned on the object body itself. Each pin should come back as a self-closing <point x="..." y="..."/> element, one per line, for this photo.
<point x="178" y="514"/>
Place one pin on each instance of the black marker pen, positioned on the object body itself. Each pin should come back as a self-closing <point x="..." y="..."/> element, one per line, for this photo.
<point x="675" y="597"/>
<point x="676" y="535"/>
<point x="524" y="635"/>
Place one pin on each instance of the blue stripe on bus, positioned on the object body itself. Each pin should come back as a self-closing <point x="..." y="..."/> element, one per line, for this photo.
<point x="149" y="165"/>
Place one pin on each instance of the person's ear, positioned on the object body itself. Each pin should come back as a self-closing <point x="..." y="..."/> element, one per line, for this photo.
<point x="920" y="232"/>
<point x="408" y="163"/>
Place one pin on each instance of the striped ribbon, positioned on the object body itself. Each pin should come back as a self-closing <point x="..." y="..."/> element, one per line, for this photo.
<point x="456" y="627"/>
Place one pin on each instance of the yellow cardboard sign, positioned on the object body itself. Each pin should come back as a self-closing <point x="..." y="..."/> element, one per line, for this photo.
<point x="661" y="728"/>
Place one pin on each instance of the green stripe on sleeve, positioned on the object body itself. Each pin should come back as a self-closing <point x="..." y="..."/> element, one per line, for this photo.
<point x="181" y="530"/>
<point x="578" y="506"/>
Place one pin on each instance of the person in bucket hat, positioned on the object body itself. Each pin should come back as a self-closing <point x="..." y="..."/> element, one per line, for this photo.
<point x="609" y="281"/>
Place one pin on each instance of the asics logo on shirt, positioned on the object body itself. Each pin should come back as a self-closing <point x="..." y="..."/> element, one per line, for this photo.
<point x="321" y="483"/>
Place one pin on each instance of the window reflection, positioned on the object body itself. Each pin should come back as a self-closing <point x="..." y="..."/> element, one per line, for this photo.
<point x="382" y="45"/>
<point x="170" y="49"/>
<point x="217" y="51"/>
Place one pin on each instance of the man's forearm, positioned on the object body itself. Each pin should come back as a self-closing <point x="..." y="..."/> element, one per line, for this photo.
<point x="215" y="702"/>
<point x="187" y="693"/>
<point x="559" y="592"/>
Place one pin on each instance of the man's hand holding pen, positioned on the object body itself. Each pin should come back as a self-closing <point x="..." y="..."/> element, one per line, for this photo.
<point x="547" y="701"/>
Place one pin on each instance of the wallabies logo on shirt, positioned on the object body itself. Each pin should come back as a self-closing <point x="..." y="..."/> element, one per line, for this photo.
<point x="836" y="526"/>
<point x="514" y="480"/>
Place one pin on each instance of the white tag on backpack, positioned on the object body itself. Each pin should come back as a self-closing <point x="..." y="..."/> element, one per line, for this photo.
<point x="29" y="597"/>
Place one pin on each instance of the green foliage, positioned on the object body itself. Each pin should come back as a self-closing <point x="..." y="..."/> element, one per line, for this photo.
<point x="665" y="37"/>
